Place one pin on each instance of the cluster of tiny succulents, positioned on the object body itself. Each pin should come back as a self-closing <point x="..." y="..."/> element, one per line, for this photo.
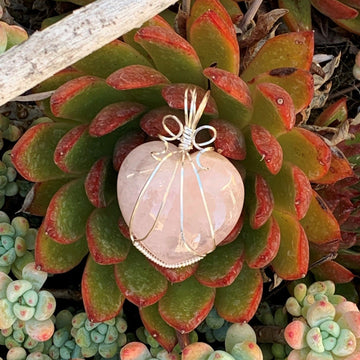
<point x="22" y="302"/>
<point x="344" y="13"/>
<point x="110" y="102"/>
<point x="17" y="240"/>
<point x="103" y="338"/>
<point x="326" y="325"/>
<point x="239" y="342"/>
<point x="8" y="184"/>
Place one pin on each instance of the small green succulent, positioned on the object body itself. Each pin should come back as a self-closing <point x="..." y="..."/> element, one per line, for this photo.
<point x="8" y="185"/>
<point x="16" y="238"/>
<point x="17" y="336"/>
<point x="19" y="353"/>
<point x="11" y="35"/>
<point x="240" y="343"/>
<point x="23" y="300"/>
<point x="327" y="327"/>
<point x="104" y="338"/>
<point x="8" y="131"/>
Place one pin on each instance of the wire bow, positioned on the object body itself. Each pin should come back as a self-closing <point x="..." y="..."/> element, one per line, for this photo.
<point x="186" y="136"/>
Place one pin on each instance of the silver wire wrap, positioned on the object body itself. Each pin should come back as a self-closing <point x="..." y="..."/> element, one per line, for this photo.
<point x="186" y="136"/>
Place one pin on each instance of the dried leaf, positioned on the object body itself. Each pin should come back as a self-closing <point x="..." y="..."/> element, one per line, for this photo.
<point x="264" y="24"/>
<point x="328" y="70"/>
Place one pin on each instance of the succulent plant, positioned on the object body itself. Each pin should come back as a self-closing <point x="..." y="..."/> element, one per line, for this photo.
<point x="8" y="131"/>
<point x="214" y="327"/>
<point x="16" y="238"/>
<point x="8" y="174"/>
<point x="19" y="353"/>
<point x="342" y="198"/>
<point x="23" y="300"/>
<point x="16" y="336"/>
<point x="103" y="338"/>
<point x="344" y="13"/>
<point x="326" y="327"/>
<point x="11" y="35"/>
<point x="74" y="161"/>
<point x="240" y="343"/>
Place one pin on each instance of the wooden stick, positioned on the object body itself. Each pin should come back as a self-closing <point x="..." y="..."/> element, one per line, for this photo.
<point x="69" y="40"/>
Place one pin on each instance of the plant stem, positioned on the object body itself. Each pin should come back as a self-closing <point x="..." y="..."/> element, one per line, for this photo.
<point x="183" y="339"/>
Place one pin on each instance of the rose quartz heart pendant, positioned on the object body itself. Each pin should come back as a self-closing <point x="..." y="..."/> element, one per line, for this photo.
<point x="157" y="218"/>
<point x="178" y="205"/>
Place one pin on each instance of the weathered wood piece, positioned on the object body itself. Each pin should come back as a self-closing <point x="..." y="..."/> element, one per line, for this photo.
<point x="69" y="40"/>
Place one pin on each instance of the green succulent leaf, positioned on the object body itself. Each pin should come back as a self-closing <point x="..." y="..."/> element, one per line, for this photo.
<point x="33" y="154"/>
<point x="52" y="83"/>
<point x="293" y="49"/>
<point x="100" y="183"/>
<point x="232" y="96"/>
<point x="164" y="334"/>
<point x="175" y="275"/>
<point x="142" y="84"/>
<point x="238" y="302"/>
<point x="273" y="108"/>
<point x="157" y="20"/>
<point x="349" y="258"/>
<point x="291" y="190"/>
<point x="15" y="34"/>
<point x="306" y="150"/>
<point x="340" y="168"/>
<point x="222" y="266"/>
<point x="335" y="9"/>
<point x="259" y="200"/>
<point x="319" y="213"/>
<point x="163" y="44"/>
<point x="82" y="98"/>
<point x="66" y="216"/>
<point x="352" y="25"/>
<point x="337" y="111"/>
<point x="262" y="244"/>
<point x="56" y="258"/>
<point x="299" y="16"/>
<point x="141" y="283"/>
<point x="292" y="259"/>
<point x="77" y="151"/>
<point x="208" y="29"/>
<point x="298" y="83"/>
<point x="106" y="243"/>
<point x="113" y="116"/>
<point x="110" y="58"/>
<point x="264" y="153"/>
<point x="102" y="298"/>
<point x="174" y="95"/>
<point x="41" y="195"/>
<point x="332" y="270"/>
<point x="200" y="7"/>
<point x="186" y="304"/>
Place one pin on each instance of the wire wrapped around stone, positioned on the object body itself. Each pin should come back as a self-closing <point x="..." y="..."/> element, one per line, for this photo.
<point x="186" y="136"/>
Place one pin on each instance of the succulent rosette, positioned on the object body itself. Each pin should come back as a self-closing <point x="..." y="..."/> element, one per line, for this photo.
<point x="16" y="238"/>
<point x="23" y="300"/>
<point x="327" y="326"/>
<point x="114" y="100"/>
<point x="103" y="338"/>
